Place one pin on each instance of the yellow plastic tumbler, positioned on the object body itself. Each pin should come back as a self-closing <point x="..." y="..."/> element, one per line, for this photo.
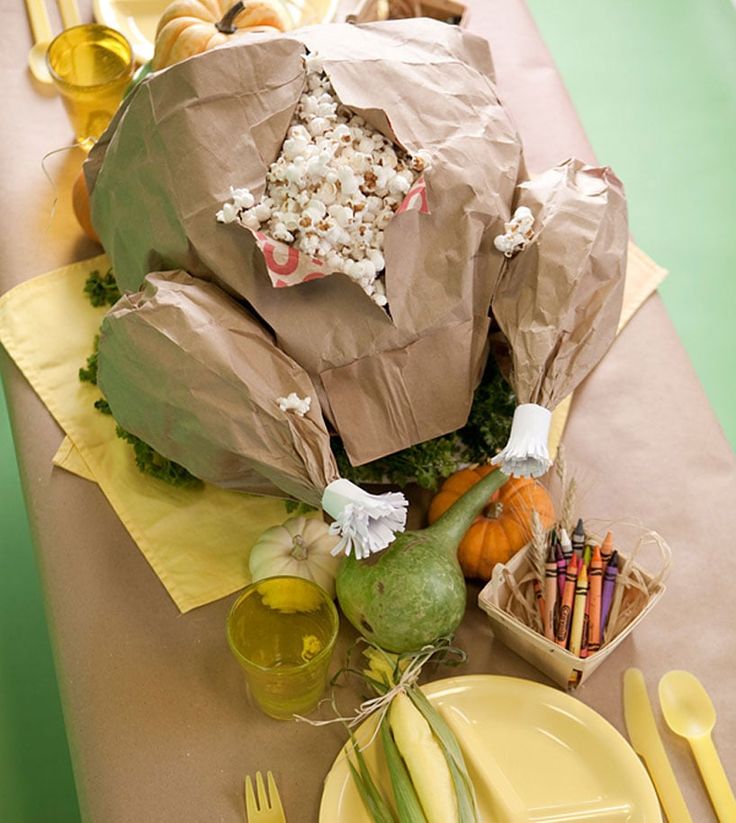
<point x="282" y="631"/>
<point x="91" y="66"/>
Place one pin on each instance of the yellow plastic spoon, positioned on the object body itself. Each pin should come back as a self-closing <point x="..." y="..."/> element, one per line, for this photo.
<point x="42" y="36"/>
<point x="69" y="13"/>
<point x="689" y="712"/>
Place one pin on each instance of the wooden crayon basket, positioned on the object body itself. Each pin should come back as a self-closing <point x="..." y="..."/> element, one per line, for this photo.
<point x="560" y="665"/>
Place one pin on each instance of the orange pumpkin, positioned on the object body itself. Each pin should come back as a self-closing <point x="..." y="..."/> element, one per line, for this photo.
<point x="80" y="204"/>
<point x="189" y="27"/>
<point x="503" y="527"/>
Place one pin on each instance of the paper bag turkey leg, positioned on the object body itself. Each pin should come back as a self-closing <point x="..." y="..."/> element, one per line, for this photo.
<point x="189" y="371"/>
<point x="559" y="298"/>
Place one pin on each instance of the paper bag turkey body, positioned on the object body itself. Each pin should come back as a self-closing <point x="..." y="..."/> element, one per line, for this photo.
<point x="193" y="131"/>
<point x="383" y="380"/>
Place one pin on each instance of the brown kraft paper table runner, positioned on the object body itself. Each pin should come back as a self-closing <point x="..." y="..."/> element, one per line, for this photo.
<point x="156" y="712"/>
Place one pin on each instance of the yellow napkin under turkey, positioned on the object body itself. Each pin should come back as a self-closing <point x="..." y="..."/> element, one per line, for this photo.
<point x="197" y="541"/>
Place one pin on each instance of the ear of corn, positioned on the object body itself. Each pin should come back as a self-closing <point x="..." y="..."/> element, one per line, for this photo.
<point x="425" y="760"/>
<point x="407" y="803"/>
<point x="428" y="774"/>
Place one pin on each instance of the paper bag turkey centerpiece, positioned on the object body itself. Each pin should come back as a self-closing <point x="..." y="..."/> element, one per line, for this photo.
<point x="306" y="228"/>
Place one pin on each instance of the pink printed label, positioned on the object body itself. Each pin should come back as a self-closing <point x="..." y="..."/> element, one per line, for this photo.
<point x="287" y="266"/>
<point x="416" y="198"/>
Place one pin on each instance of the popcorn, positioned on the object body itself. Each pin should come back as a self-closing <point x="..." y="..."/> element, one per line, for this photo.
<point x="398" y="185"/>
<point x="228" y="213"/>
<point x="421" y="161"/>
<point x="332" y="191"/>
<point x="242" y="198"/>
<point x="293" y="403"/>
<point x="518" y="232"/>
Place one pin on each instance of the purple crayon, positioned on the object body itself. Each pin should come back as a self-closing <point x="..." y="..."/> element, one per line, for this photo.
<point x="561" y="569"/>
<point x="609" y="584"/>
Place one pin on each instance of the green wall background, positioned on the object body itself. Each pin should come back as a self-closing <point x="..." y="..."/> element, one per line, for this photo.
<point x="654" y="82"/>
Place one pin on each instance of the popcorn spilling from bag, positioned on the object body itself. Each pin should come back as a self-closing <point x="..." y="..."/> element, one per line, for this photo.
<point x="334" y="188"/>
<point x="518" y="232"/>
<point x="293" y="403"/>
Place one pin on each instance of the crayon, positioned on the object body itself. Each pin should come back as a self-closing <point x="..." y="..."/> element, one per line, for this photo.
<point x="585" y="639"/>
<point x="609" y="584"/>
<point x="607" y="549"/>
<point x="566" y="545"/>
<point x="578" y="538"/>
<point x="578" y="617"/>
<point x="550" y="595"/>
<point x="566" y="604"/>
<point x="587" y="554"/>
<point x="594" y="598"/>
<point x="539" y="597"/>
<point x="561" y="568"/>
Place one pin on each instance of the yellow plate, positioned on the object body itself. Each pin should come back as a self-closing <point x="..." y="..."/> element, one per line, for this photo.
<point x="534" y="754"/>
<point x="137" y="19"/>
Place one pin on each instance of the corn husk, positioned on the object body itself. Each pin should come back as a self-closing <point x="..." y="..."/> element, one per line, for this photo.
<point x="408" y="804"/>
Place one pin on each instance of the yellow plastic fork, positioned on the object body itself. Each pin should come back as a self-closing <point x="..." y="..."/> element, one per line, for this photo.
<point x="268" y="808"/>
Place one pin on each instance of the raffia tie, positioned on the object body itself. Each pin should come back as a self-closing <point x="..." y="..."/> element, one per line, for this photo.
<point x="379" y="704"/>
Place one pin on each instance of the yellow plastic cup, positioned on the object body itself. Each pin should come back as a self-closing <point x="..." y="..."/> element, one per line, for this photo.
<point x="91" y="66"/>
<point x="282" y="631"/>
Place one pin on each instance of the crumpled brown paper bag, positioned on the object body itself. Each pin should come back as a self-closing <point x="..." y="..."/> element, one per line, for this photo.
<point x="382" y="380"/>
<point x="189" y="133"/>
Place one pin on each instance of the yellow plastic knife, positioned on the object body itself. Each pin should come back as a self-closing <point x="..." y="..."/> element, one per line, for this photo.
<point x="647" y="743"/>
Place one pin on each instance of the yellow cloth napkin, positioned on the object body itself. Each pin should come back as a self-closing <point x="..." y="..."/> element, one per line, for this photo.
<point x="643" y="277"/>
<point x="197" y="541"/>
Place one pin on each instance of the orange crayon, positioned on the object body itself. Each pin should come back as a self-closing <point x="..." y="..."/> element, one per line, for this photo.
<point x="578" y="617"/>
<point x="568" y="596"/>
<point x="607" y="549"/>
<point x="594" y="598"/>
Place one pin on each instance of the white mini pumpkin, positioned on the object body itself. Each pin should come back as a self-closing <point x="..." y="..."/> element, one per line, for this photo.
<point x="299" y="547"/>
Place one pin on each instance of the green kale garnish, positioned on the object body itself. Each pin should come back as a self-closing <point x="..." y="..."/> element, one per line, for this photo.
<point x="88" y="373"/>
<point x="149" y="461"/>
<point x="101" y="289"/>
<point x="424" y="463"/>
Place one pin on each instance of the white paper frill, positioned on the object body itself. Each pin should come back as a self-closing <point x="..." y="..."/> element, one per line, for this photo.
<point x="526" y="454"/>
<point x="366" y="523"/>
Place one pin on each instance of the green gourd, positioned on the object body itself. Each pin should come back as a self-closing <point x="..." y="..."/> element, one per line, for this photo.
<point x="413" y="592"/>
